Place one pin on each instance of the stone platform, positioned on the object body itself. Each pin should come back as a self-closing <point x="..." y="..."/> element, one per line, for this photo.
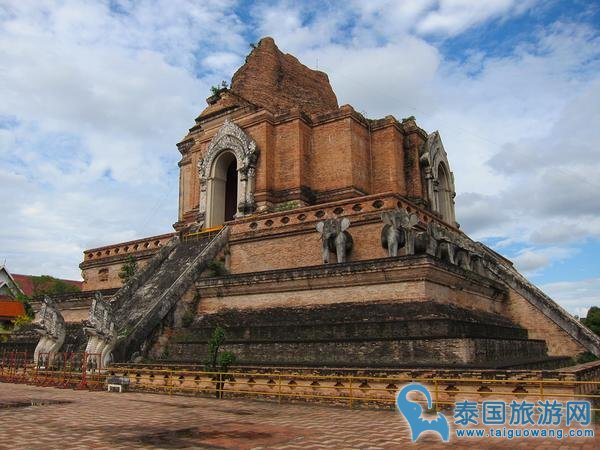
<point x="382" y="334"/>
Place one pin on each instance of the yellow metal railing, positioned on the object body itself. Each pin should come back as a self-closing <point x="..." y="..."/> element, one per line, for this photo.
<point x="343" y="388"/>
<point x="205" y="232"/>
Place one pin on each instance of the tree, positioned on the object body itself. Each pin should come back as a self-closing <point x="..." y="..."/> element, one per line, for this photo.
<point x="219" y="361"/>
<point x="592" y="321"/>
<point x="48" y="285"/>
<point x="28" y="308"/>
<point x="128" y="269"/>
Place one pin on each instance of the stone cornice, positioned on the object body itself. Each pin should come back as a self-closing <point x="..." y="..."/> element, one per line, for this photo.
<point x="418" y="268"/>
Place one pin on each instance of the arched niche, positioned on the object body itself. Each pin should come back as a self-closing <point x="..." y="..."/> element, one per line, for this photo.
<point x="444" y="194"/>
<point x="439" y="180"/>
<point x="230" y="147"/>
<point x="222" y="190"/>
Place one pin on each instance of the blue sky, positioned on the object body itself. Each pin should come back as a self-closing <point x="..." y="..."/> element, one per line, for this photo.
<point x="95" y="94"/>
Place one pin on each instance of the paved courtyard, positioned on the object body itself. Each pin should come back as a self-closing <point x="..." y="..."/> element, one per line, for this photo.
<point x="34" y="417"/>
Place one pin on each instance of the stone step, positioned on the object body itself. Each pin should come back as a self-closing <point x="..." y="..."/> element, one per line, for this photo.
<point x="140" y="307"/>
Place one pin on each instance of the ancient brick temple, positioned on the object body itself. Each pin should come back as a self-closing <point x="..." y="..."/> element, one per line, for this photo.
<point x="319" y="237"/>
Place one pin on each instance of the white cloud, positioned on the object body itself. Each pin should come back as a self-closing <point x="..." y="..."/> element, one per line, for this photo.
<point x="576" y="296"/>
<point x="95" y="98"/>
<point x="93" y="101"/>
<point x="454" y="16"/>
<point x="531" y="261"/>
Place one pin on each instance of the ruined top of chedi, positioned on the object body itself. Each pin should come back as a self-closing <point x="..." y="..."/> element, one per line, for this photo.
<point x="279" y="82"/>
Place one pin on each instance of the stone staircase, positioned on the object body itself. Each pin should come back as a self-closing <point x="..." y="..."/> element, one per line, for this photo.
<point x="144" y="301"/>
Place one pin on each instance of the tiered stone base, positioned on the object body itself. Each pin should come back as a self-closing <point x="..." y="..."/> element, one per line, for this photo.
<point x="382" y="334"/>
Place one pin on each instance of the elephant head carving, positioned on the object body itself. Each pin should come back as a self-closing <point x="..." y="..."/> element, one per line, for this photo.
<point x="398" y="231"/>
<point x="335" y="238"/>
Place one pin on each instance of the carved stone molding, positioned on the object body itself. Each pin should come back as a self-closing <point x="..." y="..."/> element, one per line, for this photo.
<point x="185" y="146"/>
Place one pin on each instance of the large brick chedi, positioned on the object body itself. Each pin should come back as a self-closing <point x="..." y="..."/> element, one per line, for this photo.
<point x="278" y="82"/>
<point x="340" y="244"/>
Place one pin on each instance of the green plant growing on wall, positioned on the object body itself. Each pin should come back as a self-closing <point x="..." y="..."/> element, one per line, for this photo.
<point x="219" y="361"/>
<point x="187" y="319"/>
<point x="215" y="89"/>
<point x="128" y="269"/>
<point x="216" y="268"/>
<point x="286" y="206"/>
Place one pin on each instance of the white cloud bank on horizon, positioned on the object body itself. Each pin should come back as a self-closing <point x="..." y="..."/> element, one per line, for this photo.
<point x="95" y="99"/>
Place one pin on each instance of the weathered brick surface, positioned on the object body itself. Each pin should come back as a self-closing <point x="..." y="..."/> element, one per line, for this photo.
<point x="101" y="266"/>
<point x="541" y="327"/>
<point x="362" y="334"/>
<point x="277" y="81"/>
<point x="315" y="159"/>
<point x="394" y="279"/>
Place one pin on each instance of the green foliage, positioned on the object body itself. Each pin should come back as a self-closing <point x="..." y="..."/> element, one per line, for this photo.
<point x="592" y="321"/>
<point x="4" y="333"/>
<point x="187" y="319"/>
<point x="218" y="360"/>
<point x="47" y="285"/>
<point x="225" y="359"/>
<point x="215" y="89"/>
<point x="216" y="268"/>
<point x="585" y="358"/>
<point x="125" y="332"/>
<point x="18" y="322"/>
<point x="286" y="206"/>
<point x="28" y="308"/>
<point x="128" y="269"/>
<point x="406" y="119"/>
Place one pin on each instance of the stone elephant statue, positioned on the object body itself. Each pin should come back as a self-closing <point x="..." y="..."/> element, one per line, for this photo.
<point x="398" y="231"/>
<point x="335" y="238"/>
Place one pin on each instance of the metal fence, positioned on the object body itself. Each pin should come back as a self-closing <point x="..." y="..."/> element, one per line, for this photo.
<point x="349" y="389"/>
<point x="65" y="369"/>
<point x="81" y="371"/>
<point x="204" y="233"/>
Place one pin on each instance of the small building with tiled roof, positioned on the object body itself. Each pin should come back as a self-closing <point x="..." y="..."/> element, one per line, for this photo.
<point x="13" y="285"/>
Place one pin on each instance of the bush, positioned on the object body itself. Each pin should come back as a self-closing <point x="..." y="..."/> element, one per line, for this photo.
<point x="187" y="319"/>
<point x="585" y="357"/>
<point x="128" y="269"/>
<point x="216" y="269"/>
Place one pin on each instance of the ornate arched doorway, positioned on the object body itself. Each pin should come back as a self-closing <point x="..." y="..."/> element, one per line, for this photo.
<point x="227" y="177"/>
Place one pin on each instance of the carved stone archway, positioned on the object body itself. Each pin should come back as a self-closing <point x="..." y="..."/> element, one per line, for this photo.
<point x="230" y="138"/>
<point x="439" y="180"/>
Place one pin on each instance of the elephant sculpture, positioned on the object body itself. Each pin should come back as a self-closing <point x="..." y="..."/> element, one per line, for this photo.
<point x="412" y="412"/>
<point x="335" y="238"/>
<point x="398" y="231"/>
<point x="52" y="330"/>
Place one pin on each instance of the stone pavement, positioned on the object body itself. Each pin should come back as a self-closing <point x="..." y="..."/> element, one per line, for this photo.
<point x="34" y="417"/>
